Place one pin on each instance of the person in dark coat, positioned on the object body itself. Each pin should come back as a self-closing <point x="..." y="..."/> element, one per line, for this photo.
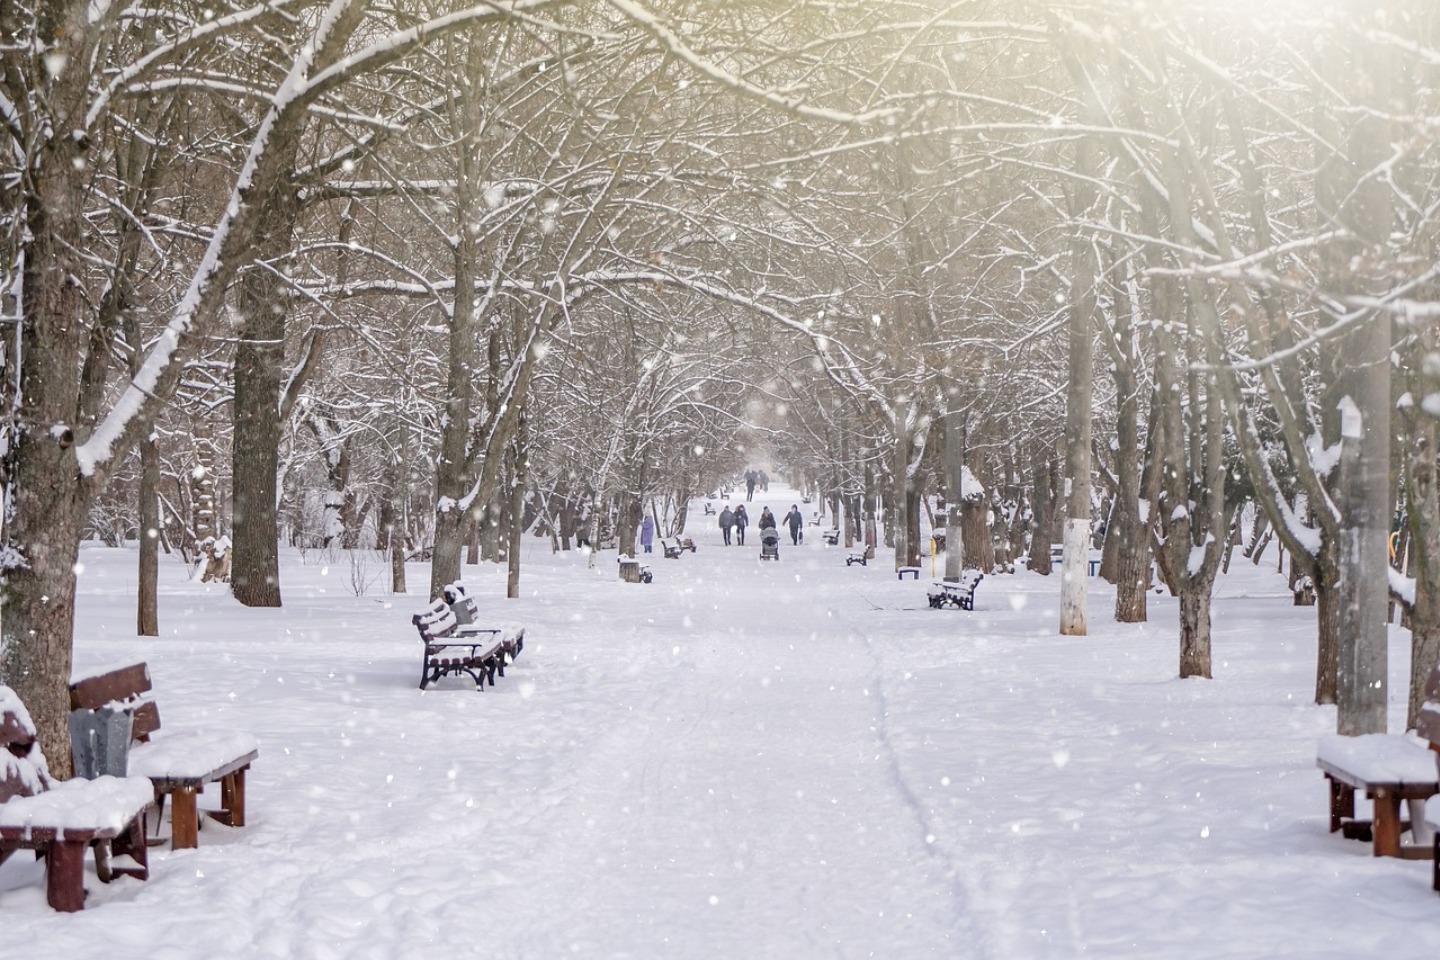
<point x="741" y="520"/>
<point x="767" y="519"/>
<point x="794" y="520"/>
<point x="727" y="520"/>
<point x="750" y="479"/>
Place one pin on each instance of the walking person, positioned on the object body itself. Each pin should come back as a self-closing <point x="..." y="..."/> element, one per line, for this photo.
<point x="647" y="533"/>
<point x="794" y="520"/>
<point x="727" y="520"/>
<point x="741" y="519"/>
<point x="749" y="487"/>
<point x="767" y="519"/>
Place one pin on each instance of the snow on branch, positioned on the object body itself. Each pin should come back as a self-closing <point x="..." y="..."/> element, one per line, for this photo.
<point x="649" y="22"/>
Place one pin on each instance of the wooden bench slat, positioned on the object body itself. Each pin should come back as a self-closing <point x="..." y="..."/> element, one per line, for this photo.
<point x="92" y="693"/>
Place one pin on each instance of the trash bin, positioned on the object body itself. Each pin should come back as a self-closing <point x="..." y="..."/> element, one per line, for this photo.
<point x="100" y="742"/>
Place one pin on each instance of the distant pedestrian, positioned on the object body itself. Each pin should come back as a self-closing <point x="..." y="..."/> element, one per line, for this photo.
<point x="750" y="480"/>
<point x="795" y="521"/>
<point x="647" y="533"/>
<point x="764" y="482"/>
<point x="741" y="520"/>
<point x="727" y="520"/>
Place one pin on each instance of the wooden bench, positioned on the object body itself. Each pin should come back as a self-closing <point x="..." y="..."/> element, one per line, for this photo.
<point x="674" y="546"/>
<point x="831" y="537"/>
<point x="477" y="654"/>
<point x="1427" y="727"/>
<point x="859" y="558"/>
<point x="912" y="572"/>
<point x="1388" y="769"/>
<point x="61" y="820"/>
<point x="454" y="643"/>
<point x="961" y="594"/>
<point x="178" y="765"/>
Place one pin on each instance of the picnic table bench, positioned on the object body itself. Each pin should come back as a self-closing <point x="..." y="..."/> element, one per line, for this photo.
<point x="1388" y="769"/>
<point x="961" y="594"/>
<point x="456" y="644"/>
<point x="60" y="820"/>
<point x="178" y="765"/>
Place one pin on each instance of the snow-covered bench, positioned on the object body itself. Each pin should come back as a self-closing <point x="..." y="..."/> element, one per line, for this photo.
<point x="60" y="820"/>
<point x="831" y="537"/>
<point x="860" y="557"/>
<point x="961" y="594"/>
<point x="674" y="546"/>
<point x="455" y="644"/>
<point x="1389" y="769"/>
<point x="178" y="765"/>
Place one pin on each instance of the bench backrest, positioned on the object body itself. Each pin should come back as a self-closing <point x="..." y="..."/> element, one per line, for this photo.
<point x="125" y="688"/>
<point x="23" y="772"/>
<point x="1428" y="724"/>
<point x="969" y="578"/>
<point x="435" y="622"/>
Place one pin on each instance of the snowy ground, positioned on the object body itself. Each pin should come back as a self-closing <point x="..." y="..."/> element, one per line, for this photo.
<point x="785" y="760"/>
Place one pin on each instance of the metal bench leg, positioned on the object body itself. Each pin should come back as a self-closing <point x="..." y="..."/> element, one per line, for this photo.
<point x="184" y="823"/>
<point x="65" y="875"/>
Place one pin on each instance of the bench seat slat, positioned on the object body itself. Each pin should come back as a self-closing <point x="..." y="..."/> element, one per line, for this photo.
<point x="78" y="809"/>
<point x="1376" y="758"/>
<point x="193" y="758"/>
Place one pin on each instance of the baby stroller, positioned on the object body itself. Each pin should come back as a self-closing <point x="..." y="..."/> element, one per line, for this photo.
<point x="769" y="544"/>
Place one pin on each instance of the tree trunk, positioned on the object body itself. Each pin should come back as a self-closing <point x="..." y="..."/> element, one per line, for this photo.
<point x="1195" y="627"/>
<point x="1079" y="390"/>
<point x="1039" y="557"/>
<point x="954" y="493"/>
<point x="977" y="547"/>
<point x="147" y="607"/>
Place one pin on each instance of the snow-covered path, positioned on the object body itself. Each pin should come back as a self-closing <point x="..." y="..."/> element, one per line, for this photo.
<point x="740" y="760"/>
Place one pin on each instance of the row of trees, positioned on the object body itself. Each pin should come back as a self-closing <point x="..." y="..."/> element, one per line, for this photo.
<point x="408" y="279"/>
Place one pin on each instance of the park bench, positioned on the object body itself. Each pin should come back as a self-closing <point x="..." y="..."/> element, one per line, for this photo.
<point x="831" y="537"/>
<point x="912" y="572"/>
<point x="961" y="594"/>
<point x="61" y="820"/>
<point x="178" y="765"/>
<point x="860" y="558"/>
<point x="709" y="509"/>
<point x="674" y="546"/>
<point x="1427" y="727"/>
<point x="456" y="644"/>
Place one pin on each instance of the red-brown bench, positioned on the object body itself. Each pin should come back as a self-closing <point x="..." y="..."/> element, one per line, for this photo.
<point x="60" y="820"/>
<point x="455" y="644"/>
<point x="1388" y="769"/>
<point x="178" y="765"/>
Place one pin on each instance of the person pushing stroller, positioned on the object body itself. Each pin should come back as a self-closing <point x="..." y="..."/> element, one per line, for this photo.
<point x="769" y="536"/>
